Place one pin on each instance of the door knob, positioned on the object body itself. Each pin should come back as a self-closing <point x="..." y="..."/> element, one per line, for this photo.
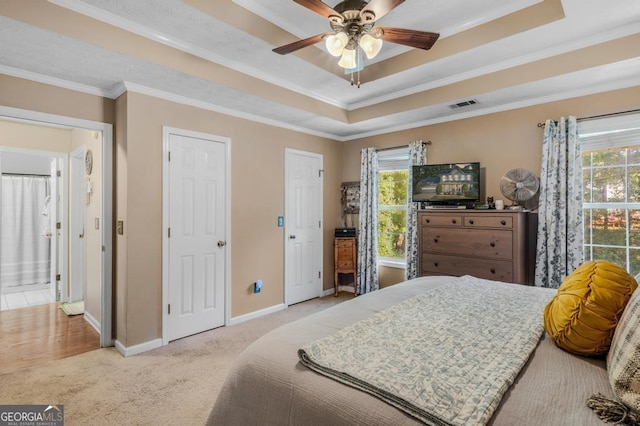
<point x="292" y="237"/>
<point x="222" y="243"/>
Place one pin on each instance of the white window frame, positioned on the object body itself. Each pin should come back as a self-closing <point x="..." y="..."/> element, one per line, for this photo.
<point x="393" y="160"/>
<point x="615" y="132"/>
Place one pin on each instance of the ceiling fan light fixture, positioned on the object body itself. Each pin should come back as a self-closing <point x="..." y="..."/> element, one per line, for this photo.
<point x="336" y="43"/>
<point x="370" y="45"/>
<point x="348" y="59"/>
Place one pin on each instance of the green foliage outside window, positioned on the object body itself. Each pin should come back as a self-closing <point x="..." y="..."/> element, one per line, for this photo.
<point x="611" y="178"/>
<point x="392" y="213"/>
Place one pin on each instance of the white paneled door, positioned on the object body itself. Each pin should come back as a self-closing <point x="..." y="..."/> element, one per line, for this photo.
<point x="303" y="226"/>
<point x="196" y="235"/>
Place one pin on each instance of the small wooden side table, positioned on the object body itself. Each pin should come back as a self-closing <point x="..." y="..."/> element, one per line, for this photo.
<point x="345" y="257"/>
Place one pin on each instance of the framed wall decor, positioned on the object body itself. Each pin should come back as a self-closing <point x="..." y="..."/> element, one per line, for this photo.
<point x="350" y="197"/>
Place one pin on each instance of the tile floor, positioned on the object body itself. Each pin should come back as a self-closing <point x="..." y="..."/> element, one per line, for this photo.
<point x="25" y="299"/>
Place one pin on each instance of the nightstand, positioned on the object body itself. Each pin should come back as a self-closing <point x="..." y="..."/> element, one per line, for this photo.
<point x="345" y="256"/>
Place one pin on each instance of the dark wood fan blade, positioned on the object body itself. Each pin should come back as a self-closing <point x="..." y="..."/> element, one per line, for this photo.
<point x="296" y="45"/>
<point x="418" y="39"/>
<point x="380" y="7"/>
<point x="318" y="7"/>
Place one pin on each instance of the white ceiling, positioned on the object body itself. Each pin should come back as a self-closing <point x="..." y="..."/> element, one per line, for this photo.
<point x="419" y="86"/>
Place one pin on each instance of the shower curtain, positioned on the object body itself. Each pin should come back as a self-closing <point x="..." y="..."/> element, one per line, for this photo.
<point x="24" y="244"/>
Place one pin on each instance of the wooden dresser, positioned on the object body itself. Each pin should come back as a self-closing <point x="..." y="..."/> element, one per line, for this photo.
<point x="345" y="258"/>
<point x="492" y="244"/>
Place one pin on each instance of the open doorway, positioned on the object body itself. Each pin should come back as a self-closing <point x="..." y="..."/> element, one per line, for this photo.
<point x="91" y="188"/>
<point x="29" y="190"/>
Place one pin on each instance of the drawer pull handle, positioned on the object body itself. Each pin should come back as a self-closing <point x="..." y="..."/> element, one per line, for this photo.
<point x="503" y="222"/>
<point x="453" y="221"/>
<point x="435" y="240"/>
<point x="492" y="244"/>
<point x="428" y="220"/>
<point x="435" y="264"/>
<point x="471" y="221"/>
<point x="493" y="271"/>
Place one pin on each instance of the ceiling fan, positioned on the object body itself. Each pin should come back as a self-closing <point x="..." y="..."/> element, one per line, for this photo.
<point x="353" y="24"/>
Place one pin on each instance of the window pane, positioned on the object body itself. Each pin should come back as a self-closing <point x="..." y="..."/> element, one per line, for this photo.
<point x="391" y="232"/>
<point x="634" y="260"/>
<point x="634" y="184"/>
<point x="586" y="185"/>
<point x="587" y="226"/>
<point x="608" y="185"/>
<point x="634" y="155"/>
<point x="634" y="230"/>
<point x="609" y="227"/>
<point x="392" y="188"/>
<point x="614" y="255"/>
<point x="586" y="159"/>
<point x="609" y="158"/>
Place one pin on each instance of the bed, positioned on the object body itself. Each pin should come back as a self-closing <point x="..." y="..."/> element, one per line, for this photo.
<point x="269" y="385"/>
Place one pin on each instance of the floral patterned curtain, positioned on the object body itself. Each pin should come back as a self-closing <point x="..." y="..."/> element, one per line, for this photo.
<point x="368" y="223"/>
<point x="560" y="217"/>
<point x="417" y="157"/>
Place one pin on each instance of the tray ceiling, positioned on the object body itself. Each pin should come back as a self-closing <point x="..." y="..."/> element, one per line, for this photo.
<point x="217" y="55"/>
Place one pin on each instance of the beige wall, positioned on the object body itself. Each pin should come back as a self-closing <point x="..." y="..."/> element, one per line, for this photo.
<point x="257" y="155"/>
<point x="120" y="251"/>
<point x="93" y="210"/>
<point x="28" y="95"/>
<point x="500" y="142"/>
<point x="40" y="138"/>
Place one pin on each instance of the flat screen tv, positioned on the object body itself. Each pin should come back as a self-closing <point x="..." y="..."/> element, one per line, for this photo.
<point x="446" y="184"/>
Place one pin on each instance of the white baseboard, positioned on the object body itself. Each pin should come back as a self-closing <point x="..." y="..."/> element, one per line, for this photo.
<point x="138" y="349"/>
<point x="92" y="321"/>
<point x="257" y="314"/>
<point x="347" y="288"/>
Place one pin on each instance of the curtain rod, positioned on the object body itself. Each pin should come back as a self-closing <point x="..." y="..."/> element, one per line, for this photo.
<point x="25" y="174"/>
<point x="601" y="116"/>
<point x="399" y="146"/>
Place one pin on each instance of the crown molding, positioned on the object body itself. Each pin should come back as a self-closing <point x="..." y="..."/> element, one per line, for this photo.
<point x="591" y="90"/>
<point x="548" y="52"/>
<point x="53" y="81"/>
<point x="137" y="88"/>
<point x="141" y="30"/>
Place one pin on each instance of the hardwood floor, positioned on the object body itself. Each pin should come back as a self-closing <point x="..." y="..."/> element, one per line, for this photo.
<point x="37" y="334"/>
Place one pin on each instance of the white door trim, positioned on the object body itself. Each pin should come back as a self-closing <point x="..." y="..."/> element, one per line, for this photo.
<point x="106" y="284"/>
<point x="287" y="152"/>
<point x="166" y="132"/>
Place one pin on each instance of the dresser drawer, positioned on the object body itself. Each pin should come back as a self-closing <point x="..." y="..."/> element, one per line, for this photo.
<point x="485" y="243"/>
<point x="345" y="252"/>
<point x="485" y="221"/>
<point x="444" y="220"/>
<point x="344" y="244"/>
<point x="345" y="264"/>
<point x="438" y="264"/>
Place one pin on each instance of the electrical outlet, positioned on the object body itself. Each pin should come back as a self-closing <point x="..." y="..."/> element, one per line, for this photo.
<point x="120" y="227"/>
<point x="280" y="221"/>
<point x="257" y="286"/>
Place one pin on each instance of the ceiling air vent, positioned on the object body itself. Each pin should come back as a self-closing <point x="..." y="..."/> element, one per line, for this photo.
<point x="463" y="104"/>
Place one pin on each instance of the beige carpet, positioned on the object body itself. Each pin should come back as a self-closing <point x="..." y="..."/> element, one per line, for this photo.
<point x="175" y="384"/>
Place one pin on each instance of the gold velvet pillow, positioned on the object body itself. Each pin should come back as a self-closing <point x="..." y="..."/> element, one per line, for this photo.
<point x="583" y="315"/>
